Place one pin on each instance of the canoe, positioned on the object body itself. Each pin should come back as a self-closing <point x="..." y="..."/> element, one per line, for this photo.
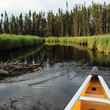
<point x="94" y="94"/>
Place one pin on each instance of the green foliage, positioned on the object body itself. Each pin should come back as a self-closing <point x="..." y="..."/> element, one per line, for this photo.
<point x="100" y="43"/>
<point x="80" y="21"/>
<point x="9" y="41"/>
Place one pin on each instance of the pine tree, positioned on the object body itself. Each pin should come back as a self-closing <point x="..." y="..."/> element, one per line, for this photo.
<point x="6" y="23"/>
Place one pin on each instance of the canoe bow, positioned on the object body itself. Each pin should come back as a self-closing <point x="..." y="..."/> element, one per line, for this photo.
<point x="93" y="94"/>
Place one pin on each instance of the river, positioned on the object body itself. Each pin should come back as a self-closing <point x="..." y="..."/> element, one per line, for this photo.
<point x="52" y="87"/>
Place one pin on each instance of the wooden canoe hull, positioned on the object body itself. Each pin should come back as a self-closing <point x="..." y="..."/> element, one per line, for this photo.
<point x="94" y="94"/>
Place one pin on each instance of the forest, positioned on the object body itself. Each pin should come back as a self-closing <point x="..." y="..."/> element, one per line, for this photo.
<point x="80" y="21"/>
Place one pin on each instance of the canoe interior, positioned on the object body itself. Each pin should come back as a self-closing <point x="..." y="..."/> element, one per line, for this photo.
<point x="93" y="89"/>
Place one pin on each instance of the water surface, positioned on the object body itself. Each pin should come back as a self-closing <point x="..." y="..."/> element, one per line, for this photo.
<point x="51" y="88"/>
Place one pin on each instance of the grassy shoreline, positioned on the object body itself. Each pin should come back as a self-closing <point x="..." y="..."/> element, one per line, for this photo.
<point x="100" y="43"/>
<point x="11" y="41"/>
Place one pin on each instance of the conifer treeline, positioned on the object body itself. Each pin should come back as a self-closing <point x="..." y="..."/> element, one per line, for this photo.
<point x="82" y="20"/>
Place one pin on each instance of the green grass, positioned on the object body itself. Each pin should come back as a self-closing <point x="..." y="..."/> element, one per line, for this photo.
<point x="8" y="41"/>
<point x="100" y="43"/>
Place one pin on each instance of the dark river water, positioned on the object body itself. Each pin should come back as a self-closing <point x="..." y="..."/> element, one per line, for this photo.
<point x="52" y="87"/>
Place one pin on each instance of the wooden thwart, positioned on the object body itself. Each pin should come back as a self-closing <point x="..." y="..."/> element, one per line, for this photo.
<point x="94" y="99"/>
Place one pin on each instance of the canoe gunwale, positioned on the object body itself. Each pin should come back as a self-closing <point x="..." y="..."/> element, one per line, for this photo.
<point x="103" y="83"/>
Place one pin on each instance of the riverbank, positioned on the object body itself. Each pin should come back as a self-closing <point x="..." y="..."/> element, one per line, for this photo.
<point x="11" y="41"/>
<point x="99" y="43"/>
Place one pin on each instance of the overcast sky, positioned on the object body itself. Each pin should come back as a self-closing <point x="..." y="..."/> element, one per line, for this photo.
<point x="15" y="6"/>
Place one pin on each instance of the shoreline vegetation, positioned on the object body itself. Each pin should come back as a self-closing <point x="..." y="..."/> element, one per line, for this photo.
<point x="11" y="41"/>
<point x="98" y="43"/>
